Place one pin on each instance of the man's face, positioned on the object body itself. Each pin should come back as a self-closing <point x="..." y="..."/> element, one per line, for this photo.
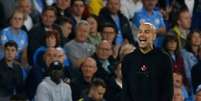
<point x="98" y="93"/>
<point x="149" y="4"/>
<point x="10" y="53"/>
<point x="17" y="20"/>
<point x="89" y="68"/>
<point x="60" y="56"/>
<point x="78" y="8"/>
<point x="66" y="28"/>
<point x="114" y="6"/>
<point x="104" y="50"/>
<point x="196" y="39"/>
<point x="185" y="20"/>
<point x="26" y="6"/>
<point x="48" y="18"/>
<point x="146" y="36"/>
<point x="50" y="56"/>
<point x="109" y="34"/>
<point x="82" y="33"/>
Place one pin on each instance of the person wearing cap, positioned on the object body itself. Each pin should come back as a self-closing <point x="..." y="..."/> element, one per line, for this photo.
<point x="52" y="88"/>
<point x="147" y="72"/>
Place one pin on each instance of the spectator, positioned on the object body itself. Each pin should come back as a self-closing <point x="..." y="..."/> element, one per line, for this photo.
<point x="52" y="39"/>
<point x="171" y="47"/>
<point x="96" y="91"/>
<point x="193" y="42"/>
<point x="109" y="33"/>
<point x="179" y="82"/>
<point x="32" y="16"/>
<point x="52" y="88"/>
<point x="37" y="33"/>
<point x="78" y="48"/>
<point x="190" y="54"/>
<point x="182" y="26"/>
<point x="81" y="84"/>
<point x="66" y="26"/>
<point x="14" y="32"/>
<point x="149" y="14"/>
<point x="94" y="37"/>
<point x="11" y="79"/>
<point x="38" y="73"/>
<point x="111" y="14"/>
<point x="114" y="87"/>
<point x="78" y="7"/>
<point x="62" y="7"/>
<point x="104" y="61"/>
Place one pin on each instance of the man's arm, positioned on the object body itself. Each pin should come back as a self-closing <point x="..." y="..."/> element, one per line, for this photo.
<point x="125" y="95"/>
<point x="167" y="79"/>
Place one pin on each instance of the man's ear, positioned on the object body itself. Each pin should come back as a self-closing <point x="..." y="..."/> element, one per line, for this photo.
<point x="178" y="22"/>
<point x="154" y="34"/>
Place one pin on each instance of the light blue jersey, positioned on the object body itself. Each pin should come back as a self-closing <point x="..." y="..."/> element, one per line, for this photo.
<point x="20" y="38"/>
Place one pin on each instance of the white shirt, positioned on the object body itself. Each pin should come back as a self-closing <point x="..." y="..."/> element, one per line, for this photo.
<point x="49" y="91"/>
<point x="190" y="5"/>
<point x="28" y="23"/>
<point x="129" y="7"/>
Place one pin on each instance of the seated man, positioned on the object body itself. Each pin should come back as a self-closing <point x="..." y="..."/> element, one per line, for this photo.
<point x="96" y="91"/>
<point x="37" y="73"/>
<point x="81" y="84"/>
<point x="52" y="88"/>
<point x="104" y="60"/>
<point x="78" y="48"/>
<point x="11" y="79"/>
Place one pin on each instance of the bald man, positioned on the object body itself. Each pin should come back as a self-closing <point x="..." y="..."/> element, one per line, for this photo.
<point x="147" y="74"/>
<point x="80" y="85"/>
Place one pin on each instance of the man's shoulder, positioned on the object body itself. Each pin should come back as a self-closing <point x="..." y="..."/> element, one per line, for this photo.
<point x="130" y="56"/>
<point x="160" y="53"/>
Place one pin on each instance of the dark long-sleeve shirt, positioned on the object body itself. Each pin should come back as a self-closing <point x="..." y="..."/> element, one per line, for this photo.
<point x="147" y="77"/>
<point x="11" y="79"/>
